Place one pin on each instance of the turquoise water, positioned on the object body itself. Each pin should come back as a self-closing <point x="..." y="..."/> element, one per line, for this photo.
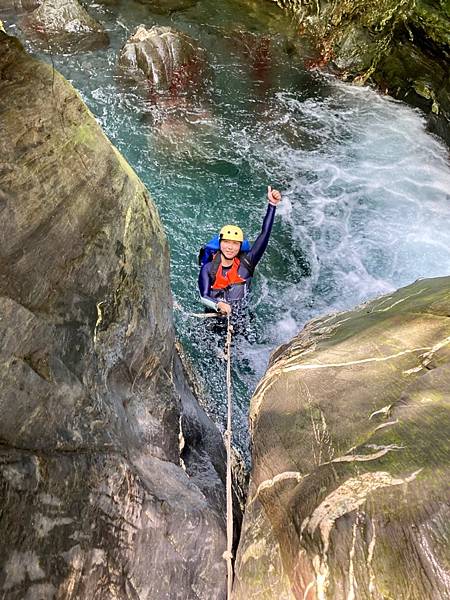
<point x="365" y="189"/>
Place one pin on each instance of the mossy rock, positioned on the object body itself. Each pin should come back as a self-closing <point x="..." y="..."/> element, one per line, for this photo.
<point x="355" y="50"/>
<point x="415" y="77"/>
<point x="370" y="41"/>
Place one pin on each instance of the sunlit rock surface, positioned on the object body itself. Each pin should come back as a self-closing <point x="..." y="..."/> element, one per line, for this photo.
<point x="98" y="427"/>
<point x="62" y="26"/>
<point x="168" y="60"/>
<point x="402" y="46"/>
<point x="349" y="495"/>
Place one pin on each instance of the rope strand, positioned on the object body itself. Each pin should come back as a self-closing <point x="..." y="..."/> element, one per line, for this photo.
<point x="228" y="555"/>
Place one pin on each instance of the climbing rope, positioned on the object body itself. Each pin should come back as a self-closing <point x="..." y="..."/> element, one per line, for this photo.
<point x="228" y="554"/>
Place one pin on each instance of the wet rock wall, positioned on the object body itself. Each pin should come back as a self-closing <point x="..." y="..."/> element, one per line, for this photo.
<point x="96" y="501"/>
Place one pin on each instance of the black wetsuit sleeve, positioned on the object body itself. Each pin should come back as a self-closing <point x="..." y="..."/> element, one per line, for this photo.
<point x="257" y="250"/>
<point x="204" y="286"/>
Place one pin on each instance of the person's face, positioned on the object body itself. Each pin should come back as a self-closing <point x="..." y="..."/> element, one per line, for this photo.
<point x="230" y="248"/>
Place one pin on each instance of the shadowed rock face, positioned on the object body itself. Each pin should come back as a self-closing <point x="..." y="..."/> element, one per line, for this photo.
<point x="159" y="7"/>
<point x="21" y="5"/>
<point x="62" y="26"/>
<point x="402" y="46"/>
<point x="349" y="495"/>
<point x="164" y="7"/>
<point x="93" y="397"/>
<point x="167" y="59"/>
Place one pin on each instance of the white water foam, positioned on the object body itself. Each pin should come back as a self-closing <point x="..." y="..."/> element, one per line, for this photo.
<point x="367" y="198"/>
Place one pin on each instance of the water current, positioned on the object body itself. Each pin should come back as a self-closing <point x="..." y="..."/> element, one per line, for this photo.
<point x="366" y="190"/>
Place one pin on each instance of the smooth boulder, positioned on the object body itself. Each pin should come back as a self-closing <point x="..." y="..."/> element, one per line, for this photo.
<point x="111" y="476"/>
<point x="349" y="493"/>
<point x="166" y="59"/>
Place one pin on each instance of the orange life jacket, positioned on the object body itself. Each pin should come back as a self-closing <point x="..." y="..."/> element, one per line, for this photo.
<point x="223" y="281"/>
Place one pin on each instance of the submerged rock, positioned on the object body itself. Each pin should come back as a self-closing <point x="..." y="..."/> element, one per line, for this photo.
<point x="402" y="46"/>
<point x="64" y="26"/>
<point x="168" y="60"/>
<point x="351" y="428"/>
<point x="94" y="401"/>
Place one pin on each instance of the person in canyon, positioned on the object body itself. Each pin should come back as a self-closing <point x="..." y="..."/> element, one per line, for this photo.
<point x="225" y="277"/>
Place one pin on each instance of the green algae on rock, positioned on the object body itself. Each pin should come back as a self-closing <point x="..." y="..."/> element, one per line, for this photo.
<point x="393" y="43"/>
<point x="95" y="500"/>
<point x="351" y="457"/>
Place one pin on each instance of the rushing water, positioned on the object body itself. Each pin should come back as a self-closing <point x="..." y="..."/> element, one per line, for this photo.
<point x="365" y="189"/>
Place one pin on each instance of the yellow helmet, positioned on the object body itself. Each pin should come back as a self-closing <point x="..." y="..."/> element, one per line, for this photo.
<point x="231" y="232"/>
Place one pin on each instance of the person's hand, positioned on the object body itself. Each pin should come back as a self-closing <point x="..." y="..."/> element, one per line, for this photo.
<point x="224" y="308"/>
<point x="273" y="195"/>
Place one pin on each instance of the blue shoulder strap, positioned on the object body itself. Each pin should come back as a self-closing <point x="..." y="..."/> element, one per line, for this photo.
<point x="245" y="246"/>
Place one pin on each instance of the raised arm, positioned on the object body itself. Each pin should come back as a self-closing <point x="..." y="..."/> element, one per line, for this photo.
<point x="260" y="245"/>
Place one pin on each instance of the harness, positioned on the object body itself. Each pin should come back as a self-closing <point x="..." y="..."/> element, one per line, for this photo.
<point x="232" y="277"/>
<point x="221" y="281"/>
